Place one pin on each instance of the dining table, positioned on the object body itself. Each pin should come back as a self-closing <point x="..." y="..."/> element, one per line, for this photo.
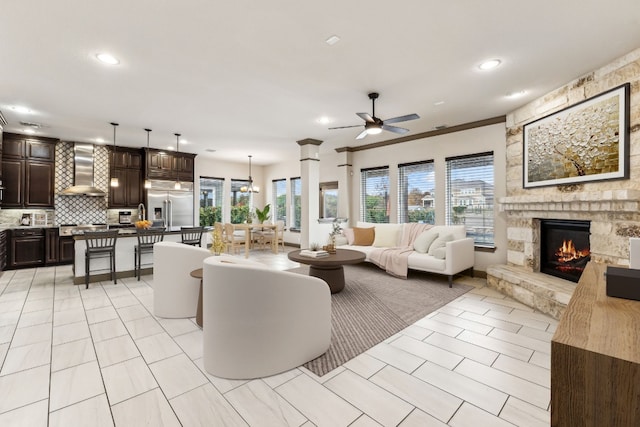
<point x="248" y="228"/>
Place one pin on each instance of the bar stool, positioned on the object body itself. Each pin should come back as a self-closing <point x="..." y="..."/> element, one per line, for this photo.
<point x="192" y="235"/>
<point x="100" y="244"/>
<point x="147" y="237"/>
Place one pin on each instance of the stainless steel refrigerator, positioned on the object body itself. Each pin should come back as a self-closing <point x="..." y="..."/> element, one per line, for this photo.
<point x="173" y="207"/>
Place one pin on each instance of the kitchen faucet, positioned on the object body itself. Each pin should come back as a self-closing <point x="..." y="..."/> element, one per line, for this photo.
<point x="141" y="212"/>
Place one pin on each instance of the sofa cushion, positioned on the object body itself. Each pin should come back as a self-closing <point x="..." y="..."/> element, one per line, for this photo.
<point x="440" y="242"/>
<point x="425" y="262"/>
<point x="363" y="236"/>
<point x="386" y="235"/>
<point x="348" y="233"/>
<point x="424" y="240"/>
<point x="440" y="253"/>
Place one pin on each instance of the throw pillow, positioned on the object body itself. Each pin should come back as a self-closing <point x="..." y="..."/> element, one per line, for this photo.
<point x="440" y="242"/>
<point x="440" y="253"/>
<point x="387" y="235"/>
<point x="424" y="241"/>
<point x="340" y="240"/>
<point x="348" y="233"/>
<point x="363" y="236"/>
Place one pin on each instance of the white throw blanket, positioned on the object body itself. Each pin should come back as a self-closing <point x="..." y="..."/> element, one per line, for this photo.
<point x="395" y="261"/>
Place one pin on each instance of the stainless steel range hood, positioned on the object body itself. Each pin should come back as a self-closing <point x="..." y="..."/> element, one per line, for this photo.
<point x="83" y="184"/>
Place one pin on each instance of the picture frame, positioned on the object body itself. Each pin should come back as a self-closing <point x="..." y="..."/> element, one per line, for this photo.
<point x="25" y="220"/>
<point x="588" y="141"/>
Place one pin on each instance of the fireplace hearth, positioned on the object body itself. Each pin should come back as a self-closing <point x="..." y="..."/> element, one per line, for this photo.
<point x="564" y="247"/>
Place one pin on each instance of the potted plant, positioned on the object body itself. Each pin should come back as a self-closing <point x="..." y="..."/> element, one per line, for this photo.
<point x="263" y="215"/>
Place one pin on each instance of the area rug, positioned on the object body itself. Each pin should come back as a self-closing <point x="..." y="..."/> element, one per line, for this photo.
<point x="374" y="305"/>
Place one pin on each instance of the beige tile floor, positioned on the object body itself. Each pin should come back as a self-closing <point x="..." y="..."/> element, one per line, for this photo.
<point x="99" y="357"/>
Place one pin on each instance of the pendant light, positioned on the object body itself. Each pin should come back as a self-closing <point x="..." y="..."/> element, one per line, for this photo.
<point x="114" y="180"/>
<point x="251" y="188"/>
<point x="177" y="185"/>
<point x="147" y="182"/>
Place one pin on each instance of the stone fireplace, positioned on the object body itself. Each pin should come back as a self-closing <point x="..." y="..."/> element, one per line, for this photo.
<point x="612" y="207"/>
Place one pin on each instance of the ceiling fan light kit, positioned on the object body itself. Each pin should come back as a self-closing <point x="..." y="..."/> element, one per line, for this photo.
<point x="373" y="125"/>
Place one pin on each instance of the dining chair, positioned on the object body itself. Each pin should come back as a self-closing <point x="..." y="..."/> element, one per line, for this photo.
<point x="100" y="244"/>
<point x="147" y="237"/>
<point x="192" y="235"/>
<point x="233" y="241"/>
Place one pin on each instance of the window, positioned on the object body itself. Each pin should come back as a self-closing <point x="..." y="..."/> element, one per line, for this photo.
<point x="279" y="203"/>
<point x="374" y="191"/>
<point x="240" y="201"/>
<point x="296" y="203"/>
<point x="328" y="199"/>
<point x="470" y="195"/>
<point x="210" y="200"/>
<point x="416" y="192"/>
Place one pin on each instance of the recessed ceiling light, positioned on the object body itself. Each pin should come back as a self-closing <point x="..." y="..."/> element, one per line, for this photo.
<point x="20" y="109"/>
<point x="210" y="150"/>
<point x="489" y="64"/>
<point x="324" y="120"/>
<point x="516" y="94"/>
<point x="107" y="58"/>
<point x="440" y="127"/>
<point x="29" y="131"/>
<point x="99" y="140"/>
<point x="171" y="147"/>
<point x="332" y="40"/>
<point x="438" y="103"/>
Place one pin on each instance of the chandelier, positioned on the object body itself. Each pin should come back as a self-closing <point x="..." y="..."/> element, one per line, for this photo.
<point x="250" y="188"/>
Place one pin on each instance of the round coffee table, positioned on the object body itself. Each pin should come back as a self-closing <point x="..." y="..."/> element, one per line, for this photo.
<point x="329" y="268"/>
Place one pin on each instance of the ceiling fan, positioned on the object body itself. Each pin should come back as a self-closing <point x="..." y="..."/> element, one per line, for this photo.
<point x="374" y="125"/>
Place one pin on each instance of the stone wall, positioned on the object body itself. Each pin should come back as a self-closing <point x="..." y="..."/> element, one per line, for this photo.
<point x="613" y="207"/>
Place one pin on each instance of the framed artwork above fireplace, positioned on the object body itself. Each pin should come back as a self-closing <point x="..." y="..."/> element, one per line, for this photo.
<point x="588" y="141"/>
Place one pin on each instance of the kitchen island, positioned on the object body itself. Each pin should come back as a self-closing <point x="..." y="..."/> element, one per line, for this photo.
<point x="127" y="241"/>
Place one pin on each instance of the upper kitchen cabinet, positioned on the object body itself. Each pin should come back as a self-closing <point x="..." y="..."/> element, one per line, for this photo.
<point x="28" y="165"/>
<point x="169" y="165"/>
<point x="126" y="165"/>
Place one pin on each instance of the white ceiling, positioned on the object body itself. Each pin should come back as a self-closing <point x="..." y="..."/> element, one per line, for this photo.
<point x="252" y="77"/>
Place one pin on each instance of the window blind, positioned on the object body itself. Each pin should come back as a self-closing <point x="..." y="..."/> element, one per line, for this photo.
<point x="416" y="192"/>
<point x="374" y="194"/>
<point x="279" y="202"/>
<point x="240" y="202"/>
<point x="296" y="203"/>
<point x="210" y="200"/>
<point x="470" y="195"/>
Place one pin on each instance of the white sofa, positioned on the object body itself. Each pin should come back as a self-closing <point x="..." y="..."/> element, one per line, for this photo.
<point x="175" y="292"/>
<point x="458" y="255"/>
<point x="259" y="321"/>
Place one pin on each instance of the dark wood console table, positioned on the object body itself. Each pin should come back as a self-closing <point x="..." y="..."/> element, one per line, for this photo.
<point x="595" y="358"/>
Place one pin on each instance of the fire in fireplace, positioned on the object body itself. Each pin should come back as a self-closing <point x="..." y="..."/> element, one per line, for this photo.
<point x="564" y="247"/>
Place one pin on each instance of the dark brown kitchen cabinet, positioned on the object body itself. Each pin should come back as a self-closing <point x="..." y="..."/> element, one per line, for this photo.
<point x="169" y="166"/>
<point x="66" y="249"/>
<point x="58" y="249"/>
<point x="29" y="163"/>
<point x="26" y="248"/>
<point x="126" y="165"/>
<point x="51" y="245"/>
<point x="3" y="250"/>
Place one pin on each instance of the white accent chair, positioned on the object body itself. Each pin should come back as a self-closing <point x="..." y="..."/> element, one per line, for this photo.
<point x="175" y="292"/>
<point x="259" y="321"/>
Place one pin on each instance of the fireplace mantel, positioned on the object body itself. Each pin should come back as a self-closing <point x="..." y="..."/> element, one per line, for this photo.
<point x="601" y="201"/>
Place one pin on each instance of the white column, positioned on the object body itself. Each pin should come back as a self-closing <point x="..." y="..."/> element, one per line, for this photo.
<point x="310" y="232"/>
<point x="345" y="181"/>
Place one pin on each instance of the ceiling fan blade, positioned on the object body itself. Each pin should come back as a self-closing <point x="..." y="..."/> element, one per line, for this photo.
<point x="362" y="134"/>
<point x="345" y="127"/>
<point x="395" y="129"/>
<point x="402" y="118"/>
<point x="366" y="117"/>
